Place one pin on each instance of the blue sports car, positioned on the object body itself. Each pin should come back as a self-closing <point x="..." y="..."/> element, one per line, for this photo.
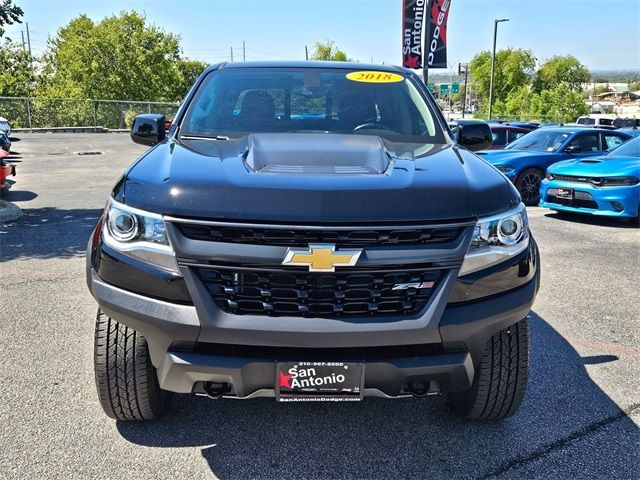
<point x="525" y="160"/>
<point x="607" y="185"/>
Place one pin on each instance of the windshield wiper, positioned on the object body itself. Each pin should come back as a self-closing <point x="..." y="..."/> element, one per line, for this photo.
<point x="202" y="137"/>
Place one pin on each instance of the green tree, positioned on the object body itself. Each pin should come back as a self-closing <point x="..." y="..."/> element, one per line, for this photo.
<point x="16" y="79"/>
<point x="560" y="103"/>
<point x="17" y="74"/>
<point x="635" y="86"/>
<point x="189" y="71"/>
<point x="565" y="70"/>
<point x="513" y="70"/>
<point x="329" y="52"/>
<point x="9" y="14"/>
<point x="118" y="58"/>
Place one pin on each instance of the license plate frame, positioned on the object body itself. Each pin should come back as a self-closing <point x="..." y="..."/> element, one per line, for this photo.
<point x="565" y="193"/>
<point x="318" y="381"/>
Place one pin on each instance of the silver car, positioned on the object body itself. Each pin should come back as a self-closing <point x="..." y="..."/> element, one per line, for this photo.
<point x="4" y="126"/>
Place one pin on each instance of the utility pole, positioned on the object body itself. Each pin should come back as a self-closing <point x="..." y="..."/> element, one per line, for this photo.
<point x="31" y="79"/>
<point x="306" y="53"/>
<point x="450" y="91"/>
<point x="425" y="47"/>
<point x="493" y="60"/>
<point x="28" y="39"/>
<point x="232" y="54"/>
<point x="465" y="67"/>
<point x="244" y="51"/>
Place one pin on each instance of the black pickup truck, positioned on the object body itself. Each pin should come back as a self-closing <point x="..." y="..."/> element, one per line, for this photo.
<point x="311" y="232"/>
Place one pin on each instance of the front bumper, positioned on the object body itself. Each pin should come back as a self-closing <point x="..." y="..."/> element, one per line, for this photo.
<point x="443" y="345"/>
<point x="617" y="202"/>
<point x="6" y="170"/>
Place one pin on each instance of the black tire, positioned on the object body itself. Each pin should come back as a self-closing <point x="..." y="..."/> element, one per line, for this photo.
<point x="528" y="184"/>
<point x="501" y="380"/>
<point x="127" y="382"/>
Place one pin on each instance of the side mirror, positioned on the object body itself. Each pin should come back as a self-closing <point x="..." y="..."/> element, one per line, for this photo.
<point x="476" y="136"/>
<point x="148" y="129"/>
<point x="573" y="149"/>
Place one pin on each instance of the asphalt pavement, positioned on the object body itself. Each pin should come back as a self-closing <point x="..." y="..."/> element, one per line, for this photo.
<point x="579" y="419"/>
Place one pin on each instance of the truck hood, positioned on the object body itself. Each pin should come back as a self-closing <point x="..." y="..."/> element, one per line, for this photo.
<point x="314" y="178"/>
<point x="598" y="166"/>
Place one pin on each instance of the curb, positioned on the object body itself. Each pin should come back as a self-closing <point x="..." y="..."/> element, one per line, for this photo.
<point x="10" y="212"/>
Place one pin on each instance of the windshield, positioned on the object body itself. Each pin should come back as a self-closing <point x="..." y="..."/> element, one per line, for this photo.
<point x="629" y="149"/>
<point x="540" y="141"/>
<point x="237" y="101"/>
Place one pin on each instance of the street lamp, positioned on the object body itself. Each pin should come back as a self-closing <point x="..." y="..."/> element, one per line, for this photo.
<point x="493" y="60"/>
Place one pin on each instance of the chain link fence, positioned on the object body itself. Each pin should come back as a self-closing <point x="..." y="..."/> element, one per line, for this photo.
<point x="40" y="112"/>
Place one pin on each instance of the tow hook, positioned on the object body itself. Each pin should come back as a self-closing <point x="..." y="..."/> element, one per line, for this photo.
<point x="216" y="390"/>
<point x="419" y="389"/>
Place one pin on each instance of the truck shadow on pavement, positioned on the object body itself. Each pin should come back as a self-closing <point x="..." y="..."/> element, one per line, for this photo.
<point x="565" y="414"/>
<point x="47" y="233"/>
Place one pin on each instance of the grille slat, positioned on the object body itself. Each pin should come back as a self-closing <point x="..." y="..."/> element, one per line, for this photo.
<point x="573" y="202"/>
<point x="308" y="294"/>
<point x="303" y="237"/>
<point x="570" y="178"/>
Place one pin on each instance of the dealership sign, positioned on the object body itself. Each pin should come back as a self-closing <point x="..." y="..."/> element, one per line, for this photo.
<point x="412" y="26"/>
<point x="436" y="38"/>
<point x="425" y="23"/>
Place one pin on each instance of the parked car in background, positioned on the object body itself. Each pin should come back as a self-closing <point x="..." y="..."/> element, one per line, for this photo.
<point x="6" y="170"/>
<point x="596" y="119"/>
<point x="503" y="134"/>
<point x="626" y="122"/>
<point x="5" y="127"/>
<point x="628" y="125"/>
<point x="527" y="125"/>
<point x="608" y="185"/>
<point x="526" y="160"/>
<point x="633" y="131"/>
<point x="5" y="143"/>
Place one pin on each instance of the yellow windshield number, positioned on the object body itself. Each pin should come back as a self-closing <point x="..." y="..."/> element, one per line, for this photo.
<point x="374" y="77"/>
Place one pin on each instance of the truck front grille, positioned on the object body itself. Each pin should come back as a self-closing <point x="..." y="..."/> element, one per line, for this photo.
<point x="301" y="237"/>
<point x="353" y="293"/>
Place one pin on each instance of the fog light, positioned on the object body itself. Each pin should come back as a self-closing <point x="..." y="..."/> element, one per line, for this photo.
<point x="617" y="206"/>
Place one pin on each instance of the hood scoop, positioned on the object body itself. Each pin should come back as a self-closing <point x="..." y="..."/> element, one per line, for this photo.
<point x="590" y="161"/>
<point x="316" y="154"/>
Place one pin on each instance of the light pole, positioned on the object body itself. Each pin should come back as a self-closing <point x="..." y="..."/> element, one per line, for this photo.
<point x="493" y="60"/>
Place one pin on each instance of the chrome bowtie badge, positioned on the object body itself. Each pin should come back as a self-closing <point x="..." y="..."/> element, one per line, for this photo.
<point x="321" y="258"/>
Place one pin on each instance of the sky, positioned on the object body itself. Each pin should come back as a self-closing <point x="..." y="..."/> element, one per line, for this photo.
<point x="602" y="34"/>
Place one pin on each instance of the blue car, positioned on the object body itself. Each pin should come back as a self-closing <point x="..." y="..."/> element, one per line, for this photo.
<point x="607" y="185"/>
<point x="526" y="160"/>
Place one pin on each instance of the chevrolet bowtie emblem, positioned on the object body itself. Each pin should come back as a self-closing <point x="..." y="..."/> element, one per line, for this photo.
<point x="321" y="258"/>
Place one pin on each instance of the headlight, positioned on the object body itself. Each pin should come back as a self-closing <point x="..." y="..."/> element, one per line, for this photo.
<point x="549" y="176"/>
<point x="505" y="168"/>
<point x="496" y="239"/>
<point x="619" y="181"/>
<point x="140" y="235"/>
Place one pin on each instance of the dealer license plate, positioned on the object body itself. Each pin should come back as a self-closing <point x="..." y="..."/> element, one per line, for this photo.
<point x="565" y="193"/>
<point x="319" y="381"/>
